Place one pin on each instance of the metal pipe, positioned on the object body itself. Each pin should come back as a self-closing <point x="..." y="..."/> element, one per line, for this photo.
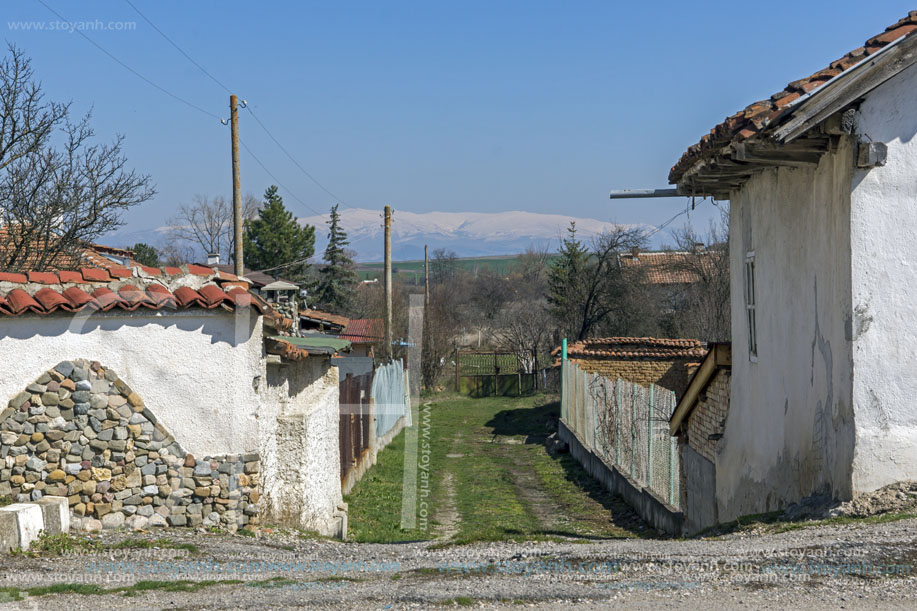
<point x="643" y="193"/>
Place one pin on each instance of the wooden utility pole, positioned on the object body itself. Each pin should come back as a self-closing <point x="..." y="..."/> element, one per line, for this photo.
<point x="388" y="281"/>
<point x="236" y="188"/>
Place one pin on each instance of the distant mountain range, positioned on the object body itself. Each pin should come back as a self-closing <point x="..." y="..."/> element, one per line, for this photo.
<point x="469" y="234"/>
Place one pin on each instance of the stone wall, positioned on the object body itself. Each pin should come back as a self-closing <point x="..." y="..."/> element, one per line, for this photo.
<point x="709" y="416"/>
<point x="79" y="431"/>
<point x="670" y="374"/>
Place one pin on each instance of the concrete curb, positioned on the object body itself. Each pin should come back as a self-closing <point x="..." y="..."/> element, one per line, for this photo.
<point x="21" y="523"/>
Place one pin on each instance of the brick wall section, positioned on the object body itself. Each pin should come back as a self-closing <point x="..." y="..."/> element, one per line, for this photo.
<point x="670" y="374"/>
<point x="709" y="416"/>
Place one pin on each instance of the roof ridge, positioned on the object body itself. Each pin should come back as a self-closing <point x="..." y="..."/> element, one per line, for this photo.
<point x="755" y="117"/>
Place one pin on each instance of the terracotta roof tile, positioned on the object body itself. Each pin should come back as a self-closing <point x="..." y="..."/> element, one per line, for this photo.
<point x="50" y="299"/>
<point x="671" y="267"/>
<point x="97" y="289"/>
<point x="213" y="295"/>
<point x="43" y="277"/>
<point x="173" y="271"/>
<point x="77" y="297"/>
<point x="757" y="116"/>
<point x="8" y="277"/>
<point x="199" y="270"/>
<point x="363" y="331"/>
<point x="20" y="301"/>
<point x="95" y="274"/>
<point x="153" y="271"/>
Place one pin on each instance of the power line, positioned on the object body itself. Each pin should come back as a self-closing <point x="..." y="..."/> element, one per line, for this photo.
<point x="296" y="163"/>
<point x="254" y="116"/>
<point x="271" y="174"/>
<point x="178" y="48"/>
<point x="128" y="68"/>
<point x="290" y="264"/>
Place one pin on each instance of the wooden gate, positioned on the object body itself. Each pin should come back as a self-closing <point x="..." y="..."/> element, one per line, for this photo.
<point x="356" y="431"/>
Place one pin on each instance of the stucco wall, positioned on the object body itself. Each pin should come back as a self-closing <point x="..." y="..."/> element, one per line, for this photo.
<point x="301" y="459"/>
<point x="203" y="375"/>
<point x="192" y="368"/>
<point x="884" y="276"/>
<point x="790" y="428"/>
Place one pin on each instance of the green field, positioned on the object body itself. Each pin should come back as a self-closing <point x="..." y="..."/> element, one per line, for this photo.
<point x="412" y="271"/>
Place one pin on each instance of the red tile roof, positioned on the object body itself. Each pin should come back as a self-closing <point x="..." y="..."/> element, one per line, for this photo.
<point x="669" y="267"/>
<point x="128" y="289"/>
<point x="623" y="348"/>
<point x="756" y="117"/>
<point x="364" y="331"/>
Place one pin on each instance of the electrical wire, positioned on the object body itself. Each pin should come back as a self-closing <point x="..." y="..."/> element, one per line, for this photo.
<point x="128" y="68"/>
<point x="296" y="163"/>
<point x="277" y="181"/>
<point x="254" y="116"/>
<point x="178" y="48"/>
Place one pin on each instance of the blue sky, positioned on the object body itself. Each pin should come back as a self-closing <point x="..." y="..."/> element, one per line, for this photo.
<point x="460" y="106"/>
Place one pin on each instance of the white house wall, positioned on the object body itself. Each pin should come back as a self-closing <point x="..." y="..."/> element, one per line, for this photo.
<point x="884" y="326"/>
<point x="191" y="368"/>
<point x="789" y="432"/>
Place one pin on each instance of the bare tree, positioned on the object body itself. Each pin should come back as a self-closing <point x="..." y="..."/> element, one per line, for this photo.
<point x="55" y="198"/>
<point x="587" y="287"/>
<point x="525" y="329"/>
<point x="205" y="226"/>
<point x="703" y="308"/>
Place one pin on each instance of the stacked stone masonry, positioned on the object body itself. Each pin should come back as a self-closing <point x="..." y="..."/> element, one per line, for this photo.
<point x="709" y="416"/>
<point x="670" y="374"/>
<point x="80" y="432"/>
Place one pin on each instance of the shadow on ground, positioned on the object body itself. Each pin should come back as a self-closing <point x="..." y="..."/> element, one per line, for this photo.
<point x="536" y="424"/>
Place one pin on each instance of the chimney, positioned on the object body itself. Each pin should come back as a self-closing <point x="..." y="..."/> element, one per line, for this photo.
<point x="698" y="247"/>
<point x="213" y="258"/>
<point x="635" y="251"/>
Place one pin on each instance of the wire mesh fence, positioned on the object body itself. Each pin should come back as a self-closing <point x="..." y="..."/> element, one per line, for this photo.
<point x="627" y="425"/>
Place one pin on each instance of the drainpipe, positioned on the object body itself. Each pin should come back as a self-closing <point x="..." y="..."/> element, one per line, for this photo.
<point x="563" y="349"/>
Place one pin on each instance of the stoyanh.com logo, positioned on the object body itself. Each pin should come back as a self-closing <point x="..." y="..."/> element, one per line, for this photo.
<point x="70" y="27"/>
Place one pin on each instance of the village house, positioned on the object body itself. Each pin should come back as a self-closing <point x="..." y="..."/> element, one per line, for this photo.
<point x="164" y="396"/>
<point x="363" y="334"/>
<point x="821" y="183"/>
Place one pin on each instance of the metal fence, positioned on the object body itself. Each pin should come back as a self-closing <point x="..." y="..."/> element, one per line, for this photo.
<point x="627" y="425"/>
<point x="391" y="399"/>
<point x="488" y="374"/>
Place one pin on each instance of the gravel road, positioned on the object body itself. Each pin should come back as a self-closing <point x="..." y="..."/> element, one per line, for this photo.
<point x="859" y="566"/>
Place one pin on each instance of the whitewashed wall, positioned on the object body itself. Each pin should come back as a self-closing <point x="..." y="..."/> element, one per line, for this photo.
<point x="202" y="373"/>
<point x="789" y="432"/>
<point x="884" y="272"/>
<point x="302" y="453"/>
<point x="190" y="367"/>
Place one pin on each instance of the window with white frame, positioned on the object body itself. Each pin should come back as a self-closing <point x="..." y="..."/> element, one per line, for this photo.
<point x="750" y="305"/>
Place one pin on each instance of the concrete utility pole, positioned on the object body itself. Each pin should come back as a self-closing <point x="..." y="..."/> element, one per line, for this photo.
<point x="426" y="276"/>
<point x="388" y="281"/>
<point x="236" y="187"/>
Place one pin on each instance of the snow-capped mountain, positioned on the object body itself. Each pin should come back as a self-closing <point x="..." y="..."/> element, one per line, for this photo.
<point x="469" y="234"/>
